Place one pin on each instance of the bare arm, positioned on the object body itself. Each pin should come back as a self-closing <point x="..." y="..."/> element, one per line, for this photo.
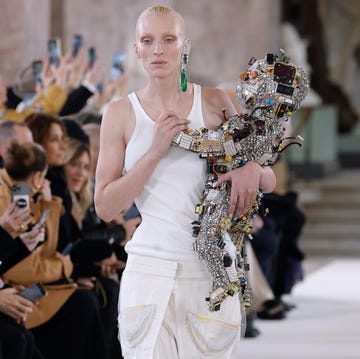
<point x="267" y="180"/>
<point x="115" y="193"/>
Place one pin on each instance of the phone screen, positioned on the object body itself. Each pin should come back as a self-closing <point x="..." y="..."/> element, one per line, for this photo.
<point x="54" y="51"/>
<point x="34" y="292"/>
<point x="77" y="43"/>
<point x="37" y="67"/>
<point x="117" y="68"/>
<point x="92" y="56"/>
<point x="43" y="218"/>
<point x="21" y="194"/>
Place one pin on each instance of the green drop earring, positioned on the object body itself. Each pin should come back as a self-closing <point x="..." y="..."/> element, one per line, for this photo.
<point x="184" y="62"/>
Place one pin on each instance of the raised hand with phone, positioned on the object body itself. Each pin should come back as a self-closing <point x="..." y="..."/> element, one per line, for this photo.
<point x="116" y="84"/>
<point x="44" y="264"/>
<point x="32" y="238"/>
<point x="15" y="218"/>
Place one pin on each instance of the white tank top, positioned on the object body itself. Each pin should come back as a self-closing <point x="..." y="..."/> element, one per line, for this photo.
<point x="168" y="200"/>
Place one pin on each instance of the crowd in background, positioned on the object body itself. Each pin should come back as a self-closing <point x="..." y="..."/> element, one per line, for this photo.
<point x="51" y="143"/>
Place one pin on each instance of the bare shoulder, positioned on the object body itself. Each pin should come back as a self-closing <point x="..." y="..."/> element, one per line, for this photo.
<point x="215" y="101"/>
<point x="118" y="118"/>
<point x="116" y="110"/>
<point x="115" y="127"/>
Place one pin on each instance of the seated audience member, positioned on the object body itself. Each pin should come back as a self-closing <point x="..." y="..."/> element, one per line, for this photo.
<point x="95" y="263"/>
<point x="11" y="130"/>
<point x="90" y="252"/>
<point x="50" y="132"/>
<point x="64" y="307"/>
<point x="15" y="340"/>
<point x="13" y="250"/>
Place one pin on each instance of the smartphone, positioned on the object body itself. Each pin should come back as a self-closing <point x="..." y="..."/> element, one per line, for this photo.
<point x="92" y="56"/>
<point x="21" y="194"/>
<point x="43" y="218"/>
<point x="77" y="43"/>
<point x="117" y="68"/>
<point x="34" y="292"/>
<point x="54" y="51"/>
<point x="69" y="247"/>
<point x="37" y="67"/>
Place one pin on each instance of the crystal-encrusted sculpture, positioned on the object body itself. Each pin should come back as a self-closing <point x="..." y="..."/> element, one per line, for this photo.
<point x="271" y="90"/>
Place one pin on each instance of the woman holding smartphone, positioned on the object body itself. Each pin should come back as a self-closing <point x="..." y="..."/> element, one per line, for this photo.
<point x="15" y="340"/>
<point x="65" y="307"/>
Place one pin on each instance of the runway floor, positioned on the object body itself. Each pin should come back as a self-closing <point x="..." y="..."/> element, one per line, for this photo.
<point x="326" y="321"/>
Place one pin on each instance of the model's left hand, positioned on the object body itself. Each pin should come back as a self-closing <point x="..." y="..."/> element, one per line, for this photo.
<point x="245" y="182"/>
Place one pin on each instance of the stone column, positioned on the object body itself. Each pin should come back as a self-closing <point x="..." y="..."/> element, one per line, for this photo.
<point x="12" y="39"/>
<point x="24" y="29"/>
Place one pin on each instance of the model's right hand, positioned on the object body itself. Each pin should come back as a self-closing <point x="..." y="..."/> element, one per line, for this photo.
<point x="13" y="305"/>
<point x="166" y="127"/>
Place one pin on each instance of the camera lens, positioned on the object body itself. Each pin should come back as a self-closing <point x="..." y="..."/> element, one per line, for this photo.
<point x="21" y="203"/>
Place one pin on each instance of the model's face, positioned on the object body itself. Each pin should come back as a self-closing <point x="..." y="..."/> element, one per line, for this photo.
<point x="159" y="44"/>
<point x="77" y="172"/>
<point x="55" y="145"/>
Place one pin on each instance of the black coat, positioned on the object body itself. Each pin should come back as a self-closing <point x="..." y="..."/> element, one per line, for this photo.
<point x="76" y="101"/>
<point x="83" y="252"/>
<point x="12" y="251"/>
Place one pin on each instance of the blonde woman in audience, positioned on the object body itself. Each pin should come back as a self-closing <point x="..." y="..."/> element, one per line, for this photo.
<point x="78" y="176"/>
<point x="95" y="263"/>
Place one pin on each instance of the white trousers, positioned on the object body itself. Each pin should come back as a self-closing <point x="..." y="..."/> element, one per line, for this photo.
<point x="163" y="313"/>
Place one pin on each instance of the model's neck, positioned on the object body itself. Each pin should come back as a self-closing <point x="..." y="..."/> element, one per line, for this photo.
<point x="163" y="90"/>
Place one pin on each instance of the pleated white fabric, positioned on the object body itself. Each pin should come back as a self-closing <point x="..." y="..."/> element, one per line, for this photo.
<point x="171" y="320"/>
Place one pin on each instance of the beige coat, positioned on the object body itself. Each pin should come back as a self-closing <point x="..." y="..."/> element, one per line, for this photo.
<point x="44" y="264"/>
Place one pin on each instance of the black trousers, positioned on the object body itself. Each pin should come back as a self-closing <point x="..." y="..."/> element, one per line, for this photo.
<point x="108" y="299"/>
<point x="276" y="245"/>
<point x="16" y="342"/>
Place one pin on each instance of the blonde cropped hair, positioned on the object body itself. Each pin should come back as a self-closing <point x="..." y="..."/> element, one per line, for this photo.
<point x="159" y="10"/>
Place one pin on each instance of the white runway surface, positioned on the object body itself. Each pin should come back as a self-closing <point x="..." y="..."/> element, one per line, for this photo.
<point x="325" y="323"/>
